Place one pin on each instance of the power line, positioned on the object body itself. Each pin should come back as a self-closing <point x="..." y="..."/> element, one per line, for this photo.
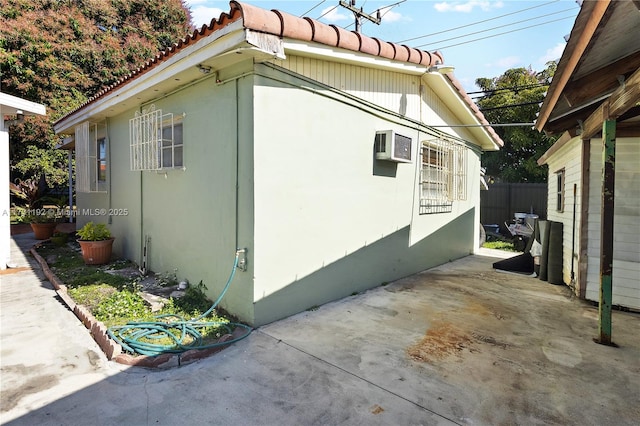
<point x="495" y="28"/>
<point x="511" y="105"/>
<point x="327" y="12"/>
<point x="511" y="88"/>
<point x="478" y="22"/>
<point x="499" y="34"/>
<point x="388" y="9"/>
<point x="314" y="7"/>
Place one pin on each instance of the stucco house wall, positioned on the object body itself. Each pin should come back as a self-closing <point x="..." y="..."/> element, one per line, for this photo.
<point x="279" y="160"/>
<point x="327" y="222"/>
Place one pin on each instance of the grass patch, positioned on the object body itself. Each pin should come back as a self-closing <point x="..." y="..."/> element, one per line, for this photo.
<point x="500" y="245"/>
<point x="115" y="299"/>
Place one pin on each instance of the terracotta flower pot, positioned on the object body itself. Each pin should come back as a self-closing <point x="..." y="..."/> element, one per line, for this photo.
<point x="96" y="252"/>
<point x="43" y="231"/>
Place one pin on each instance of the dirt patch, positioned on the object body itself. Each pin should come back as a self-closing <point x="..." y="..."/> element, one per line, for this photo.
<point x="9" y="271"/>
<point x="441" y="340"/>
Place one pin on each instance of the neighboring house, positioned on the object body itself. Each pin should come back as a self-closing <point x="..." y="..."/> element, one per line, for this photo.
<point x="12" y="110"/>
<point x="260" y="131"/>
<point x="597" y="80"/>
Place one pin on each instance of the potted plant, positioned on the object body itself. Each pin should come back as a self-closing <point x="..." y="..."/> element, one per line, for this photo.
<point x="96" y="243"/>
<point x="42" y="223"/>
<point x="33" y="192"/>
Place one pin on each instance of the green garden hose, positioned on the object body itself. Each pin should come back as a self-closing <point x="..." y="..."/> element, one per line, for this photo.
<point x="137" y="336"/>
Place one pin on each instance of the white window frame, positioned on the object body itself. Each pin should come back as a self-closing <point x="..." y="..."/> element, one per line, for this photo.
<point x="152" y="139"/>
<point x="88" y="136"/>
<point x="443" y="175"/>
<point x="560" y="183"/>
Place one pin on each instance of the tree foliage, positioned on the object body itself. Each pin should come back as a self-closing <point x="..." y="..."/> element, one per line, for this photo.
<point x="58" y="52"/>
<point x="514" y="97"/>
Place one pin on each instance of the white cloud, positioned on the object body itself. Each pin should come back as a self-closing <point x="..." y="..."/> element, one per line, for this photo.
<point x="333" y="14"/>
<point x="553" y="54"/>
<point x="202" y="15"/>
<point x="468" y="6"/>
<point x="508" y="62"/>
<point x="389" y="15"/>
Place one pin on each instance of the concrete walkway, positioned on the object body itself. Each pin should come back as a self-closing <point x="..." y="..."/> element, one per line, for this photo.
<point x="458" y="344"/>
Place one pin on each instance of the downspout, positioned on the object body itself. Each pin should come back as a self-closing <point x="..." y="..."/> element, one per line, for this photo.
<point x="240" y="253"/>
<point x="109" y="184"/>
<point x="70" y="160"/>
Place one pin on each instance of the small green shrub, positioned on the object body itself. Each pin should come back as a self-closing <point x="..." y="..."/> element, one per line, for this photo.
<point x="123" y="303"/>
<point x="194" y="302"/>
<point x="94" y="232"/>
<point x="92" y="295"/>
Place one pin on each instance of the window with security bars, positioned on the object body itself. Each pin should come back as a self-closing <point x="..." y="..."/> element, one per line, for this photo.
<point x="155" y="141"/>
<point x="91" y="157"/>
<point x="443" y="178"/>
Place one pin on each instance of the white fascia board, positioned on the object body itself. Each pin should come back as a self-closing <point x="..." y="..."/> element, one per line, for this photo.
<point x="451" y="98"/>
<point x="336" y="54"/>
<point x="226" y="39"/>
<point x="10" y="104"/>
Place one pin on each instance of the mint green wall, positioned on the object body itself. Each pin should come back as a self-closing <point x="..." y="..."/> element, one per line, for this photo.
<point x="320" y="217"/>
<point x="329" y="219"/>
<point x="190" y="215"/>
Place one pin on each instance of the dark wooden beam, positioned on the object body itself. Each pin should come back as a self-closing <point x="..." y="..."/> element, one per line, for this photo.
<point x="623" y="99"/>
<point x="601" y="81"/>
<point x="584" y="28"/>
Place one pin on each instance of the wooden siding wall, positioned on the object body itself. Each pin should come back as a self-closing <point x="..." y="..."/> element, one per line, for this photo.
<point x="569" y="159"/>
<point x="396" y="92"/>
<point x="502" y="200"/>
<point x="626" y="248"/>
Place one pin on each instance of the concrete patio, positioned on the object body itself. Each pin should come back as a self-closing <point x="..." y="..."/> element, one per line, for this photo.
<point x="457" y="344"/>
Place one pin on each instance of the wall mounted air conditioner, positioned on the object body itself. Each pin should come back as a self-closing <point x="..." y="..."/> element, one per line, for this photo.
<point x="391" y="146"/>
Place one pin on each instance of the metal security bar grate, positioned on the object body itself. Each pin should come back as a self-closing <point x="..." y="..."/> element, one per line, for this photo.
<point x="443" y="177"/>
<point x="151" y="136"/>
<point x="82" y="158"/>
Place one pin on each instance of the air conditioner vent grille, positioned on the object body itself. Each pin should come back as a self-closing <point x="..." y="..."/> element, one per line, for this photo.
<point x="391" y="146"/>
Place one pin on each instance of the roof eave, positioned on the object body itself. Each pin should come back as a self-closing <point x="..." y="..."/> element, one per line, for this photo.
<point x="227" y="48"/>
<point x="588" y="19"/>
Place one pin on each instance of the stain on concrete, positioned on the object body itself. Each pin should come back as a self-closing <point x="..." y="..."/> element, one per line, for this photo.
<point x="562" y="352"/>
<point x="94" y="358"/>
<point x="11" y="397"/>
<point x="441" y="340"/>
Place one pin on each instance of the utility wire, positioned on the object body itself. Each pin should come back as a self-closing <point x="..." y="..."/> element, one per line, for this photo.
<point x="511" y="106"/>
<point x="314" y="7"/>
<point x="495" y="28"/>
<point x="512" y="88"/>
<point x="499" y="34"/>
<point x="477" y="23"/>
<point x="496" y="92"/>
<point x="387" y="10"/>
<point x="327" y="12"/>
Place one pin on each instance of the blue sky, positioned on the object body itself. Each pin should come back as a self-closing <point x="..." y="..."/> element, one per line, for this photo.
<point x="481" y="38"/>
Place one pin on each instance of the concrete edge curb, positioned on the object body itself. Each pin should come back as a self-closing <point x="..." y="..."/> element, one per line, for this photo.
<point x="112" y="349"/>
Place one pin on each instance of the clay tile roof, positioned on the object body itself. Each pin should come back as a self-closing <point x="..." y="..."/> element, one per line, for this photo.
<point x="294" y="27"/>
<point x="368" y="45"/>
<point x="283" y="24"/>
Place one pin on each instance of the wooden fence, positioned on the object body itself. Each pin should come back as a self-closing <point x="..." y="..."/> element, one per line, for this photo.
<point x="502" y="200"/>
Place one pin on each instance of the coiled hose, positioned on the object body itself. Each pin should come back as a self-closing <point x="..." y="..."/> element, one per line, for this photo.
<point x="130" y="336"/>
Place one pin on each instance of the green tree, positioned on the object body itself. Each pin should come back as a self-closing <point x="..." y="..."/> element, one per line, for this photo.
<point x="59" y="52"/>
<point x="515" y="97"/>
